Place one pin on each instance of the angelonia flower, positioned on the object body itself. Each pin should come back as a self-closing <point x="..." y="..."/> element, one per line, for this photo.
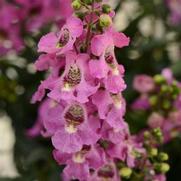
<point x="174" y="7"/>
<point x="10" y="37"/>
<point x="21" y="17"/>
<point x="37" y="13"/>
<point x="83" y="108"/>
<point x="161" y="96"/>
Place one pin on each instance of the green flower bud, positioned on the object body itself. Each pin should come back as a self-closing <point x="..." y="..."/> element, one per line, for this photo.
<point x="175" y="90"/>
<point x="158" y="134"/>
<point x="165" y="89"/>
<point x="106" y="8"/>
<point x="125" y="172"/>
<point x="105" y="21"/>
<point x="153" y="152"/>
<point x="163" y="156"/>
<point x="76" y="4"/>
<point x="174" y="96"/>
<point x="159" y="79"/>
<point x="153" y="100"/>
<point x="162" y="167"/>
<point x="165" y="167"/>
<point x="174" y="83"/>
<point x="147" y="134"/>
<point x="166" y="104"/>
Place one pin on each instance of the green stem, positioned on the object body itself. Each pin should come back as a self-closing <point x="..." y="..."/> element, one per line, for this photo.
<point x="89" y="27"/>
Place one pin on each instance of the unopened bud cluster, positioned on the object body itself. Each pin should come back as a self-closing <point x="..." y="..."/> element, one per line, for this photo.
<point x="161" y="95"/>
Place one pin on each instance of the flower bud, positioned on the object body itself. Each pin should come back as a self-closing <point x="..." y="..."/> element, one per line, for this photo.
<point x="175" y="90"/>
<point x="163" y="156"/>
<point x="165" y="89"/>
<point x="174" y="96"/>
<point x="125" y="172"/>
<point x="106" y="8"/>
<point x="165" y="167"/>
<point x="153" y="100"/>
<point x="147" y="134"/>
<point x="105" y="21"/>
<point x="159" y="79"/>
<point x="162" y="167"/>
<point x="166" y="104"/>
<point x="157" y="133"/>
<point x="153" y="152"/>
<point x="76" y="5"/>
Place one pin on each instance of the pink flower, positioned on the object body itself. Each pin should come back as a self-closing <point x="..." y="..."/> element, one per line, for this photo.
<point x="123" y="151"/>
<point x="171" y="126"/>
<point x="155" y="120"/>
<point x="48" y="120"/>
<point x="175" y="14"/>
<point x="37" y="13"/>
<point x="141" y="103"/>
<point x="72" y="85"/>
<point x="107" y="172"/>
<point x="167" y="73"/>
<point x="75" y="130"/>
<point x="114" y="84"/>
<point x="103" y="46"/>
<point x="143" y="83"/>
<point x="80" y="163"/>
<point x="114" y="135"/>
<point x="100" y="43"/>
<point x="160" y="178"/>
<point x="111" y="107"/>
<point x="63" y="41"/>
<point x="47" y="61"/>
<point x="47" y="84"/>
<point x="10" y="37"/>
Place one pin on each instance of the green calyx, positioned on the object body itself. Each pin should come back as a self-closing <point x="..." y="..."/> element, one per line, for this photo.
<point x="106" y="8"/>
<point x="76" y="4"/>
<point x="105" y="21"/>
